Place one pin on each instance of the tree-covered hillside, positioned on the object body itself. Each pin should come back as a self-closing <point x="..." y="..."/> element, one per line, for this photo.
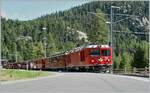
<point x="131" y="50"/>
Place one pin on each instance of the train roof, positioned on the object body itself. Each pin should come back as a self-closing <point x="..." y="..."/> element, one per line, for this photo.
<point x="93" y="46"/>
<point x="87" y="46"/>
<point x="96" y="46"/>
<point x="78" y="49"/>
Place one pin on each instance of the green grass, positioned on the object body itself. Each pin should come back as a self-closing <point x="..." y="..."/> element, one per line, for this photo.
<point x="14" y="74"/>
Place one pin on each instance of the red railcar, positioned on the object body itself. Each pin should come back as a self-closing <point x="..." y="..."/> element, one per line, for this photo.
<point x="38" y="64"/>
<point x="91" y="57"/>
<point x="57" y="62"/>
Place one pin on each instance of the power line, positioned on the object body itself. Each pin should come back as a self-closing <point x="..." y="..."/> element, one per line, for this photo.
<point x="127" y="15"/>
<point x="140" y="33"/>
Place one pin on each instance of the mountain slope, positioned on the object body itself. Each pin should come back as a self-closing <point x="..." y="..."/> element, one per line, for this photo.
<point x="59" y="38"/>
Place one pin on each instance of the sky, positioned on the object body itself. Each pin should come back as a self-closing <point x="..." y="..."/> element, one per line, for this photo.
<point x="30" y="9"/>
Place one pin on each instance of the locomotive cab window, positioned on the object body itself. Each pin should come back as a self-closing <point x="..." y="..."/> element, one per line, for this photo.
<point x="105" y="52"/>
<point x="95" y="53"/>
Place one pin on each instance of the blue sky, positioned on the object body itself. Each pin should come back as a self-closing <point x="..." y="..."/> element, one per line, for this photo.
<point x="30" y="9"/>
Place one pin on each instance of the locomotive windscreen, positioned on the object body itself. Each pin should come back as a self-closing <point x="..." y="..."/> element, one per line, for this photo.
<point x="95" y="53"/>
<point x="105" y="52"/>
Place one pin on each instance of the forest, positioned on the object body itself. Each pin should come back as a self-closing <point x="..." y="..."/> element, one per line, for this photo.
<point x="61" y="33"/>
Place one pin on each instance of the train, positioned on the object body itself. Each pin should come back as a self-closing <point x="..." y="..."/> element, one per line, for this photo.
<point x="85" y="58"/>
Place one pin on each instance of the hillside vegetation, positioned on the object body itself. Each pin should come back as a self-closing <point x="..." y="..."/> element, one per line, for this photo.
<point x="131" y="50"/>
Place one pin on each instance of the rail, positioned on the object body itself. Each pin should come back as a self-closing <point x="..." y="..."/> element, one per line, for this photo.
<point x="141" y="72"/>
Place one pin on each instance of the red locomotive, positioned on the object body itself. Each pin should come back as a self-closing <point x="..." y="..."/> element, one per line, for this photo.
<point x="91" y="58"/>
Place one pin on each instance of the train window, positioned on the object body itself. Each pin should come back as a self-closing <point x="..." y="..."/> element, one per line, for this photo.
<point x="105" y="52"/>
<point x="95" y="53"/>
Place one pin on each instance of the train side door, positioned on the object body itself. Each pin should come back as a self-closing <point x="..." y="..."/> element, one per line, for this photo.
<point x="82" y="56"/>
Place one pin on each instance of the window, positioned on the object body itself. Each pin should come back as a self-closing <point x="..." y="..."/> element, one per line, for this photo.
<point x="95" y="53"/>
<point x="105" y="52"/>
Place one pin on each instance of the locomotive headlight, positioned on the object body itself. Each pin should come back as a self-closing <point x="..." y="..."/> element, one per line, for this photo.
<point x="92" y="60"/>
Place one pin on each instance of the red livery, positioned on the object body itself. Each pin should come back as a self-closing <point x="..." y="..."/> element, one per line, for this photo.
<point x="91" y="57"/>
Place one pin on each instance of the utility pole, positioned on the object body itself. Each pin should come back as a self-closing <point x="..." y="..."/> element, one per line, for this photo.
<point x="111" y="30"/>
<point x="45" y="39"/>
<point x="0" y="63"/>
<point x="16" y="56"/>
<point x="111" y="26"/>
<point x="149" y="50"/>
<point x="111" y="35"/>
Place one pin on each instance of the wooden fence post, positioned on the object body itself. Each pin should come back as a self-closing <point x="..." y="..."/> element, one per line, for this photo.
<point x="134" y="70"/>
<point x="145" y="71"/>
<point x="125" y="70"/>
